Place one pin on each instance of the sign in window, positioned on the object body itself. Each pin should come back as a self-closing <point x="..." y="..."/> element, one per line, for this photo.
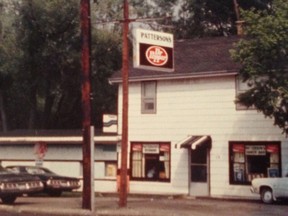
<point x="249" y="160"/>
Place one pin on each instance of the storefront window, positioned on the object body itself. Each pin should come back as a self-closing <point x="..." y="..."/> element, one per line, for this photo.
<point x="150" y="161"/>
<point x="249" y="160"/>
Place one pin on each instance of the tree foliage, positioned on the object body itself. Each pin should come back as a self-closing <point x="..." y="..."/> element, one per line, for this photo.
<point x="263" y="56"/>
<point x="9" y="56"/>
<point x="40" y="49"/>
<point x="44" y="54"/>
<point x="48" y="74"/>
<point x="184" y="18"/>
<point x="201" y="18"/>
<point x="106" y="59"/>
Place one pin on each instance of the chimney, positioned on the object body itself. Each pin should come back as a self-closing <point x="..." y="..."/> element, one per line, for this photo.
<point x="239" y="26"/>
<point x="239" y="22"/>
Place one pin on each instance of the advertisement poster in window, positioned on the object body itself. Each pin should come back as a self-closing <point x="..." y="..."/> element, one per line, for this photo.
<point x="150" y="148"/>
<point x="238" y="148"/>
<point x="255" y="150"/>
<point x="239" y="157"/>
<point x="239" y="173"/>
<point x="274" y="158"/>
<point x="137" y="147"/>
<point x="272" y="148"/>
<point x="164" y="147"/>
<point x="273" y="172"/>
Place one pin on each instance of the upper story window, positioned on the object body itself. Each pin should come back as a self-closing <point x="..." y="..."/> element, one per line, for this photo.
<point x="241" y="87"/>
<point x="148" y="97"/>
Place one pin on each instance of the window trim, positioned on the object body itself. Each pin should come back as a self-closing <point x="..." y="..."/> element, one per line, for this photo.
<point x="151" y="99"/>
<point x="238" y="90"/>
<point x="247" y="143"/>
<point x="104" y="177"/>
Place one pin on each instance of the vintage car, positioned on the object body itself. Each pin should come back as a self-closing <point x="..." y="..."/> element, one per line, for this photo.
<point x="54" y="184"/>
<point x="270" y="189"/>
<point x="13" y="185"/>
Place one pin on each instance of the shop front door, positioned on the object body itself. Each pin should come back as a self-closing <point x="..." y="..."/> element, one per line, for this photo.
<point x="199" y="172"/>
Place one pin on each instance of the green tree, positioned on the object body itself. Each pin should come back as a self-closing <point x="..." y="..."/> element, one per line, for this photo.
<point x="48" y="72"/>
<point x="263" y="56"/>
<point x="42" y="59"/>
<point x="8" y="56"/>
<point x="106" y="59"/>
<point x="185" y="18"/>
<point x="200" y="18"/>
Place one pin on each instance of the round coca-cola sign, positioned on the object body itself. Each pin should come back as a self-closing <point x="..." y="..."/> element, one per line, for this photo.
<point x="156" y="55"/>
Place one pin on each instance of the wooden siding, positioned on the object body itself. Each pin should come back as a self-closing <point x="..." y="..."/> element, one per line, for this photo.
<point x="198" y="107"/>
<point x="64" y="159"/>
<point x="54" y="152"/>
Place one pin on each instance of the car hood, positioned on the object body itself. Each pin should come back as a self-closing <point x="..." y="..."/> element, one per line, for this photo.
<point x="262" y="181"/>
<point x="8" y="177"/>
<point x="53" y="176"/>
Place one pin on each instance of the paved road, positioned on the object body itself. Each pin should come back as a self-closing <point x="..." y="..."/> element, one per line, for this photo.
<point x="142" y="206"/>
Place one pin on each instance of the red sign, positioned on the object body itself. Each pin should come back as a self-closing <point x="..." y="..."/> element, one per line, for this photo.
<point x="238" y="148"/>
<point x="164" y="147"/>
<point x="136" y="147"/>
<point x="153" y="50"/>
<point x="156" y="55"/>
<point x="40" y="149"/>
<point x="272" y="148"/>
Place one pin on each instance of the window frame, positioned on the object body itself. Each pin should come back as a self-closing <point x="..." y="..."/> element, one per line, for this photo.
<point x="241" y="87"/>
<point x="108" y="166"/>
<point x="247" y="177"/>
<point x="142" y="160"/>
<point x="106" y="156"/>
<point x="148" y="99"/>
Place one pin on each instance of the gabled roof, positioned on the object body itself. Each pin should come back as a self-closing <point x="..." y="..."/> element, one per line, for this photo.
<point x="192" y="58"/>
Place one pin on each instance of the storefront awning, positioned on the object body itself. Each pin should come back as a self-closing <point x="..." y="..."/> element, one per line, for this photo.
<point x="194" y="142"/>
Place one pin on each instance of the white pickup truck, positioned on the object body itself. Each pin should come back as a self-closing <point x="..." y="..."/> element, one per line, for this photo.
<point x="270" y="189"/>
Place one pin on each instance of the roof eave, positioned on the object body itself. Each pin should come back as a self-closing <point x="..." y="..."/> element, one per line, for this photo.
<point x="58" y="140"/>
<point x="172" y="76"/>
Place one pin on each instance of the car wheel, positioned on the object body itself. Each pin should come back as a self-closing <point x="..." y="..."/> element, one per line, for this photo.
<point x="267" y="196"/>
<point x="8" y="199"/>
<point x="55" y="193"/>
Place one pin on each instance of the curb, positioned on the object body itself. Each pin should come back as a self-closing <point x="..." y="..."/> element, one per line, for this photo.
<point x="45" y="211"/>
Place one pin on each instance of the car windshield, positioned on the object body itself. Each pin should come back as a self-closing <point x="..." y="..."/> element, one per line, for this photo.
<point x="2" y="169"/>
<point x="38" y="170"/>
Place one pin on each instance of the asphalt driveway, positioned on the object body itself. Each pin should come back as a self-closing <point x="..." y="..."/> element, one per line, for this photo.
<point x="143" y="205"/>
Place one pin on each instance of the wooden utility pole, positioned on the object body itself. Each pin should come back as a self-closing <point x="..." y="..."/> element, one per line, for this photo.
<point x="236" y="9"/>
<point x="124" y="146"/>
<point x="86" y="107"/>
<point x="239" y="22"/>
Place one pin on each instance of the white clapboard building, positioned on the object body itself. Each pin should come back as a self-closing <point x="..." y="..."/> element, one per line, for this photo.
<point x="186" y="133"/>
